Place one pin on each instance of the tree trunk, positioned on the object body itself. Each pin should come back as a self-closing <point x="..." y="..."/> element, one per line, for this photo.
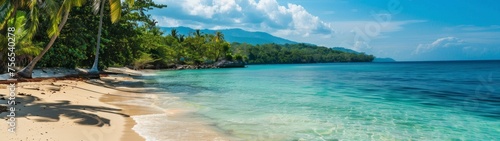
<point x="94" y="69"/>
<point x="26" y="72"/>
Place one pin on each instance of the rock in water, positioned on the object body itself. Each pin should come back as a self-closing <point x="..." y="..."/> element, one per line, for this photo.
<point x="230" y="64"/>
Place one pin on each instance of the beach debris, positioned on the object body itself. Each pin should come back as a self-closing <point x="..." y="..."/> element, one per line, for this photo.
<point x="53" y="88"/>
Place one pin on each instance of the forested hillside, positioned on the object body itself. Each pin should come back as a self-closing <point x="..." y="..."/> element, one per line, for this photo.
<point x="236" y="35"/>
<point x="134" y="40"/>
<point x="295" y="53"/>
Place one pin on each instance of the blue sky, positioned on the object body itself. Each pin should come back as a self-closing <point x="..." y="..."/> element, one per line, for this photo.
<point x="406" y="30"/>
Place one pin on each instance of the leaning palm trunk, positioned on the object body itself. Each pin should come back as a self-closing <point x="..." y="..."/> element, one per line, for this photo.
<point x="94" y="69"/>
<point x="26" y="72"/>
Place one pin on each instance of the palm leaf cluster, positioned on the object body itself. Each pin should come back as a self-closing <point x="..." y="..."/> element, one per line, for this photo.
<point x="25" y="14"/>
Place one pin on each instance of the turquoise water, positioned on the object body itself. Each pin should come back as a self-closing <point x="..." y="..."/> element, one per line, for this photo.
<point x="344" y="101"/>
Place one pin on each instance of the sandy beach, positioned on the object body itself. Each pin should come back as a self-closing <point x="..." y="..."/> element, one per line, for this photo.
<point x="66" y="110"/>
<point x="93" y="110"/>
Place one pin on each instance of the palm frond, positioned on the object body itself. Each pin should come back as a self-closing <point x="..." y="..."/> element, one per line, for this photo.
<point x="116" y="10"/>
<point x="5" y="10"/>
<point x="25" y="45"/>
<point x="21" y="20"/>
<point x="29" y="49"/>
<point x="130" y="2"/>
<point x="78" y="3"/>
<point x="33" y="19"/>
<point x="56" y="19"/>
<point x="54" y="10"/>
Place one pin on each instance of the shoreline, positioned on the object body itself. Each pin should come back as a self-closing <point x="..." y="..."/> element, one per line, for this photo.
<point x="69" y="109"/>
<point x="119" y="100"/>
<point x="102" y="109"/>
<point x="64" y="110"/>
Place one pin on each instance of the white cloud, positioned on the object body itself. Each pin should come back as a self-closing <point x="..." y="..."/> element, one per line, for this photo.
<point x="454" y="48"/>
<point x="262" y="15"/>
<point x="445" y="42"/>
<point x="167" y="21"/>
<point x="307" y="23"/>
<point x="197" y="8"/>
<point x="207" y="8"/>
<point x="289" y="21"/>
<point x="291" y="17"/>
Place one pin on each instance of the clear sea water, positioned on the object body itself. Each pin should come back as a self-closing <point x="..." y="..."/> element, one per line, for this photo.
<point x="343" y="101"/>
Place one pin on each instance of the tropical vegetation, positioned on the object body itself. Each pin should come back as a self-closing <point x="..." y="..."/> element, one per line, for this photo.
<point x="71" y="33"/>
<point x="295" y="53"/>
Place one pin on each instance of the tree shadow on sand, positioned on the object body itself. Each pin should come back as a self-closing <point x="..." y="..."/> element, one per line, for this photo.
<point x="32" y="108"/>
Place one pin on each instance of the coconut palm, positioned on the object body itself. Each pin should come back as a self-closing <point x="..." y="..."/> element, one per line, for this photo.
<point x="115" y="8"/>
<point x="59" y="15"/>
<point x="8" y="12"/>
<point x="197" y="33"/>
<point x="219" y="37"/>
<point x="174" y="33"/>
<point x="25" y="49"/>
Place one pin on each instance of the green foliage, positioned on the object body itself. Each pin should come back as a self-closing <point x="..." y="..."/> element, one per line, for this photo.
<point x="121" y="42"/>
<point x="229" y="57"/>
<point x="194" y="49"/>
<point x="135" y="41"/>
<point x="142" y="61"/>
<point x="295" y="53"/>
<point x="238" y="57"/>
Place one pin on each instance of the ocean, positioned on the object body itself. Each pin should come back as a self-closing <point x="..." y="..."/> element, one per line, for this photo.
<point x="448" y="100"/>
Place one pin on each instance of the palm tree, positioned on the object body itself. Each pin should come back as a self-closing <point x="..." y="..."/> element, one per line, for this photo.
<point x="25" y="49"/>
<point x="218" y="38"/>
<point x="59" y="15"/>
<point x="173" y="33"/>
<point x="115" y="7"/>
<point x="8" y="10"/>
<point x="182" y="38"/>
<point x="197" y="33"/>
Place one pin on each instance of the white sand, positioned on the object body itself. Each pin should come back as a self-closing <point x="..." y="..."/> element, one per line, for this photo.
<point x="64" y="111"/>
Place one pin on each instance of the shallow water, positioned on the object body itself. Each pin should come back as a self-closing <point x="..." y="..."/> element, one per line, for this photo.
<point x="342" y="101"/>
